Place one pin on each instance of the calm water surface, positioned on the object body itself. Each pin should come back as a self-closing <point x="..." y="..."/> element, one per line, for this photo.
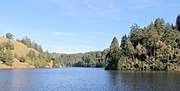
<point x="87" y="79"/>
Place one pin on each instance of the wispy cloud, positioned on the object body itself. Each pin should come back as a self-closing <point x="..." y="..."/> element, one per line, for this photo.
<point x="87" y="8"/>
<point x="86" y="2"/>
<point x="62" y="34"/>
<point x="100" y="33"/>
<point x="68" y="48"/>
<point x="112" y="9"/>
<point x="85" y="46"/>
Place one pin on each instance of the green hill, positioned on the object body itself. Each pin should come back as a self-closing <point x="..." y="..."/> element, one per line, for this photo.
<point x="16" y="54"/>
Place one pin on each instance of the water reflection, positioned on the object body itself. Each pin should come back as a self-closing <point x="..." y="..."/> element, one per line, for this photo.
<point x="144" y="81"/>
<point x="14" y="80"/>
<point x="115" y="80"/>
<point x="87" y="79"/>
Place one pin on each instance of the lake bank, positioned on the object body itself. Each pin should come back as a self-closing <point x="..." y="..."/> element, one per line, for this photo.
<point x="16" y="64"/>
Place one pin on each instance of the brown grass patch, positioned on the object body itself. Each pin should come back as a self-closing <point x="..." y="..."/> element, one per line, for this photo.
<point x="19" y="48"/>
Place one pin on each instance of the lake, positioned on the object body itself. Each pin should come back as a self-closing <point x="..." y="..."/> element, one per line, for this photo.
<point x="87" y="79"/>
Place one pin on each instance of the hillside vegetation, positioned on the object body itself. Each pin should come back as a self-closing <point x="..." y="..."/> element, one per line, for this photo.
<point x="19" y="48"/>
<point x="22" y="54"/>
<point x="88" y="59"/>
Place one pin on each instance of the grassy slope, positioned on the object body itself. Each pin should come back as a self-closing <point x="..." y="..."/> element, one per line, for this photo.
<point x="19" y="48"/>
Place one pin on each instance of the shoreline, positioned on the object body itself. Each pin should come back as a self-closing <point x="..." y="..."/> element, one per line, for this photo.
<point x="94" y="67"/>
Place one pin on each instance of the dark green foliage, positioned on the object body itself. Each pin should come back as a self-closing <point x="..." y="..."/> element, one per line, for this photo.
<point x="9" y="36"/>
<point x="31" y="54"/>
<point x="8" y="58"/>
<point x="6" y="55"/>
<point x="114" y="47"/>
<point x="178" y="23"/>
<point x="112" y="57"/>
<point x="122" y="63"/>
<point x="46" y="55"/>
<point x="9" y="45"/>
<point x="88" y="59"/>
<point x="57" y="64"/>
<point x="123" y="41"/>
<point x="156" y="47"/>
<point x="38" y="59"/>
<point x="22" y="59"/>
<point x="27" y="41"/>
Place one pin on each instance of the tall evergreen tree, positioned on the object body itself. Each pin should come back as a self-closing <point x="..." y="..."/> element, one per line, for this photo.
<point x="114" y="47"/>
<point x="123" y="41"/>
<point x="112" y="57"/>
<point x="178" y="23"/>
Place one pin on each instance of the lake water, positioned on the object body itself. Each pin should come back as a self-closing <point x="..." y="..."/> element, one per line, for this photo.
<point x="87" y="79"/>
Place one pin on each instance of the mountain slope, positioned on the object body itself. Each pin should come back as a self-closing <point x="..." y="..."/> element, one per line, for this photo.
<point x="19" y="48"/>
<point x="23" y="57"/>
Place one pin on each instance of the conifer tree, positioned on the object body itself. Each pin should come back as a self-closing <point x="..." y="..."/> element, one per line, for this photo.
<point x="178" y="23"/>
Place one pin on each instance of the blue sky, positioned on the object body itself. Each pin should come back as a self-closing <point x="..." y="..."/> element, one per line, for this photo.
<point x="72" y="26"/>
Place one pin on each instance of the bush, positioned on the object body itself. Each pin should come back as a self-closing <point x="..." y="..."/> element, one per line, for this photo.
<point x="7" y="58"/>
<point x="22" y="59"/>
<point x="9" y="36"/>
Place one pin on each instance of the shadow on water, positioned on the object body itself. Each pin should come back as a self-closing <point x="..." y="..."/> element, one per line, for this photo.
<point x="115" y="80"/>
<point x="144" y="81"/>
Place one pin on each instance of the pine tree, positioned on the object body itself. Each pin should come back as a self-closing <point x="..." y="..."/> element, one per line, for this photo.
<point x="123" y="41"/>
<point x="114" y="47"/>
<point x="112" y="57"/>
<point x="178" y="23"/>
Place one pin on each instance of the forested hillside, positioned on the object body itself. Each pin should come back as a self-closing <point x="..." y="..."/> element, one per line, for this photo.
<point x="88" y="59"/>
<point x="155" y="47"/>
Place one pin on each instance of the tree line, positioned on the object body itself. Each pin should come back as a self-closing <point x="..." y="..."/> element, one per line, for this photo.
<point x="155" y="47"/>
<point x="88" y="59"/>
<point x="39" y="59"/>
<point x="27" y="41"/>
